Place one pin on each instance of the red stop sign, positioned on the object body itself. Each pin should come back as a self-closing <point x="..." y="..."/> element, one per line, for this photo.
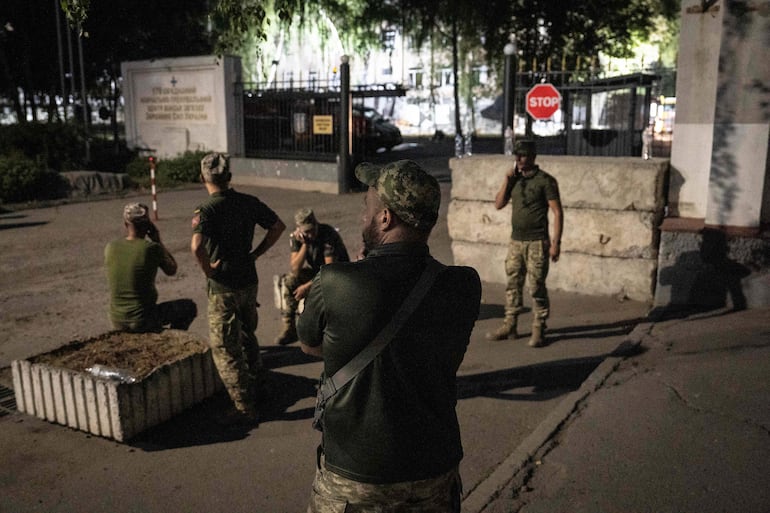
<point x="543" y="100"/>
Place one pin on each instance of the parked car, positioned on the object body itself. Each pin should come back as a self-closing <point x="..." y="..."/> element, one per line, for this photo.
<point x="372" y="130"/>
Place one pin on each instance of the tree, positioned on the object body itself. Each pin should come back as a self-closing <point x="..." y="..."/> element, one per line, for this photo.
<point x="27" y="35"/>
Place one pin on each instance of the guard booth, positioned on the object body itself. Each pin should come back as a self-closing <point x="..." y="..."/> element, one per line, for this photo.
<point x="607" y="117"/>
<point x="597" y="117"/>
<point x="301" y="120"/>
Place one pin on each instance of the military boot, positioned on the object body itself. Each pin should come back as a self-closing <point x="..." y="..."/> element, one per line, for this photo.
<point x="507" y="330"/>
<point x="538" y="335"/>
<point x="289" y="333"/>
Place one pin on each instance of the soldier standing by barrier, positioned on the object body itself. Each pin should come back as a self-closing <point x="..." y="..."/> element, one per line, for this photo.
<point x="532" y="193"/>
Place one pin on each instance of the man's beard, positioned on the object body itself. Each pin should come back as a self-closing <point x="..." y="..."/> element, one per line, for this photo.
<point x="370" y="236"/>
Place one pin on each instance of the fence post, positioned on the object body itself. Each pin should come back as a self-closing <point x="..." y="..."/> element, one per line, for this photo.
<point x="344" y="172"/>
<point x="154" y="191"/>
<point x="509" y="96"/>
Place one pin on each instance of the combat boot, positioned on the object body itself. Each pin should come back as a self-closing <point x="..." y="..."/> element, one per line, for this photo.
<point x="507" y="330"/>
<point x="289" y="333"/>
<point x="538" y="335"/>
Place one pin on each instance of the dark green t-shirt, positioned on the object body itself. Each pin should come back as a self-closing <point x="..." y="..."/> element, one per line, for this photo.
<point x="395" y="421"/>
<point x="227" y="219"/>
<point x="327" y="243"/>
<point x="131" y="267"/>
<point x="529" y="205"/>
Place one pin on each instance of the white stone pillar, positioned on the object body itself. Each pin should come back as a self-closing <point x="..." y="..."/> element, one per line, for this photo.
<point x="738" y="172"/>
<point x="719" y="164"/>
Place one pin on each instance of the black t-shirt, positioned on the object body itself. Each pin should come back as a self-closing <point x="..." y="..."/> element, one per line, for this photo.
<point x="395" y="421"/>
<point x="326" y="243"/>
<point x="529" y="205"/>
<point x="228" y="219"/>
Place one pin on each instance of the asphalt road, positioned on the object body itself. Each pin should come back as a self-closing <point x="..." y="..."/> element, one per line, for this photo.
<point x="54" y="291"/>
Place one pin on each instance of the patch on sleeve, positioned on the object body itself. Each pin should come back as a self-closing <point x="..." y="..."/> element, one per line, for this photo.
<point x="196" y="220"/>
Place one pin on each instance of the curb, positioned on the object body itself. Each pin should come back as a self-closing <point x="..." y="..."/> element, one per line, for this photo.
<point x="491" y="487"/>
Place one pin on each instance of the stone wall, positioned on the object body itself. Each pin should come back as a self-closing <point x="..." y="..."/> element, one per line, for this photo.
<point x="612" y="208"/>
<point x="303" y="175"/>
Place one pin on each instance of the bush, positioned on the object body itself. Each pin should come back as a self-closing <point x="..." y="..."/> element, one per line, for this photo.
<point x="23" y="179"/>
<point x="168" y="172"/>
<point x="55" y="145"/>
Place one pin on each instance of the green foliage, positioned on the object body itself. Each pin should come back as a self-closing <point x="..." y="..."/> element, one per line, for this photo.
<point x="168" y="172"/>
<point x="24" y="179"/>
<point x="56" y="146"/>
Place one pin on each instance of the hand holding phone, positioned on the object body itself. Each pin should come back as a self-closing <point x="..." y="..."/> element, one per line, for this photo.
<point x="152" y="232"/>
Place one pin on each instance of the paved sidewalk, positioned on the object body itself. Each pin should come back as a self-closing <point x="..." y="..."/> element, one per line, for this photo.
<point x="682" y="427"/>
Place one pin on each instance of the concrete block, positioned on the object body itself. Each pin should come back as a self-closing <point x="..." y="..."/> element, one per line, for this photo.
<point x="108" y="408"/>
<point x="633" y="278"/>
<point x="623" y="234"/>
<point x="611" y="183"/>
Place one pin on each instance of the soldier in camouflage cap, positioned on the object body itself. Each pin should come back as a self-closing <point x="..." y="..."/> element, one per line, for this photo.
<point x="404" y="187"/>
<point x="412" y="449"/>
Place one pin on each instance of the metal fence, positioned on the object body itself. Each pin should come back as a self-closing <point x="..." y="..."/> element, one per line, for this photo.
<point x="598" y="117"/>
<point x="300" y="120"/>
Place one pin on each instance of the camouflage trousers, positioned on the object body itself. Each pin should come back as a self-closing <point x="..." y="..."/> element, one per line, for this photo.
<point x="234" y="347"/>
<point x="291" y="282"/>
<point x="527" y="260"/>
<point x="333" y="493"/>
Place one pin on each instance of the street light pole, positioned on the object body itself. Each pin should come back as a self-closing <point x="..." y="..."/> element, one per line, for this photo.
<point x="343" y="168"/>
<point x="509" y="94"/>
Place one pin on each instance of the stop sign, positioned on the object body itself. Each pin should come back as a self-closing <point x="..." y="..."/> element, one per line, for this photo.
<point x="543" y="101"/>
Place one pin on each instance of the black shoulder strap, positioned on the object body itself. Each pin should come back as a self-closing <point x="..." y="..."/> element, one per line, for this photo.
<point x="348" y="371"/>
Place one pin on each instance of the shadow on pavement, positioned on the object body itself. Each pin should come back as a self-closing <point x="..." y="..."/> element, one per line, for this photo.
<point x="547" y="380"/>
<point x="21" y="225"/>
<point x="200" y="424"/>
<point x="613" y="329"/>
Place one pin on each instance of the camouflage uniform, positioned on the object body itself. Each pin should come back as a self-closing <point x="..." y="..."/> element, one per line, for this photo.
<point x="333" y="493"/>
<point x="227" y="220"/>
<point x="527" y="259"/>
<point x="528" y="255"/>
<point x="291" y="282"/>
<point x="233" y="321"/>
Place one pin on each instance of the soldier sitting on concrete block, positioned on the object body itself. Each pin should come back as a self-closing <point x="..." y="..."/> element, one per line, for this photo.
<point x="312" y="244"/>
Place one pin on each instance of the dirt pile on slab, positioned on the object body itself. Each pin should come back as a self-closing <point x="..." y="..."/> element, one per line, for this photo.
<point x="137" y="353"/>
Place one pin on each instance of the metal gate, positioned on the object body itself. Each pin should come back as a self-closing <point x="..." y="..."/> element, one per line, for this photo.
<point x="300" y="120"/>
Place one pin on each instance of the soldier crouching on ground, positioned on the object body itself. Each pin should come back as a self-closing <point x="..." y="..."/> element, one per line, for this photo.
<point x="312" y="245"/>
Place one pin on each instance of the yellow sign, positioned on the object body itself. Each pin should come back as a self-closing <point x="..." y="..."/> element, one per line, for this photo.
<point x="323" y="125"/>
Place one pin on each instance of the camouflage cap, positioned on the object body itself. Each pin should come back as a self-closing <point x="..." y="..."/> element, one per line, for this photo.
<point x="134" y="212"/>
<point x="404" y="187"/>
<point x="305" y="218"/>
<point x="215" y="167"/>
<point x="525" y="147"/>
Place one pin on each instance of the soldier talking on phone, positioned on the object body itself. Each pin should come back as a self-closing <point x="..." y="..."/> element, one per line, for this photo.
<point x="532" y="193"/>
<point x="132" y="264"/>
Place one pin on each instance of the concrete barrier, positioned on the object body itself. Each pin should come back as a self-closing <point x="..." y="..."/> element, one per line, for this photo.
<point x="612" y="209"/>
<point x="113" y="409"/>
<point x="302" y="175"/>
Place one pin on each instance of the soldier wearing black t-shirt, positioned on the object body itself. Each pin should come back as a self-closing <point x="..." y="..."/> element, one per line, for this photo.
<point x="223" y="233"/>
<point x="532" y="193"/>
<point x="391" y="439"/>
<point x="312" y="245"/>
